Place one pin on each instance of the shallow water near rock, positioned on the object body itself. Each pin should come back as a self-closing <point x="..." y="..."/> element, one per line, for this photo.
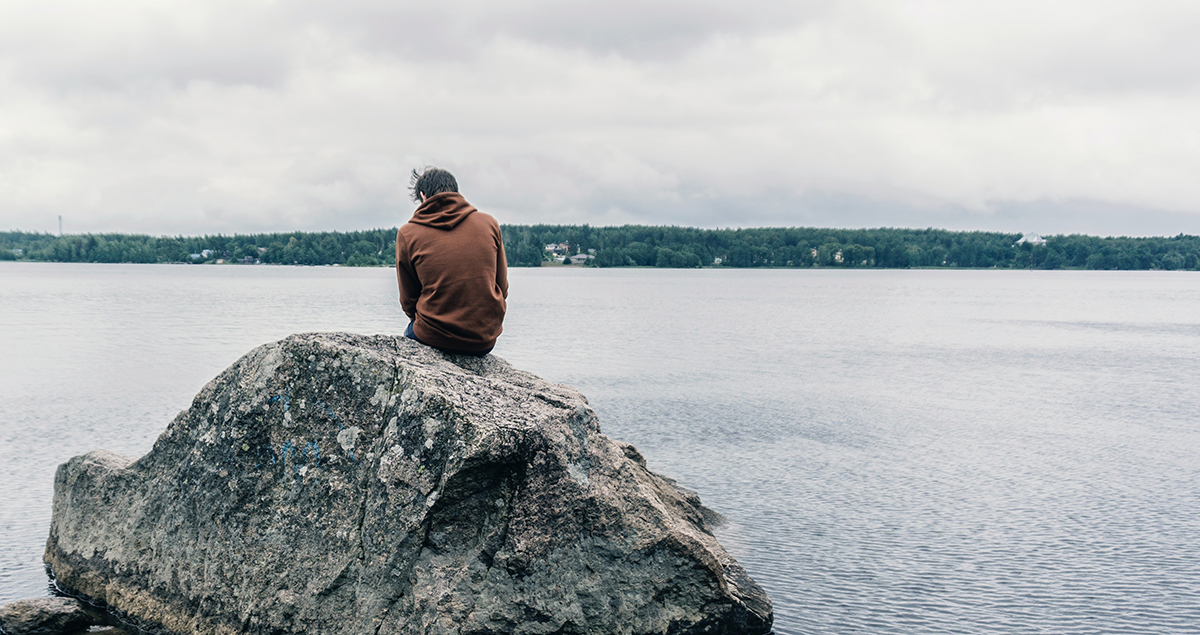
<point x="895" y="451"/>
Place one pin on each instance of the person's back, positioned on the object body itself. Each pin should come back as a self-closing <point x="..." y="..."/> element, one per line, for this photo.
<point x="451" y="269"/>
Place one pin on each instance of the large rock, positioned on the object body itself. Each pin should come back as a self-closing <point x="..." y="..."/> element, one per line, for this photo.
<point x="336" y="483"/>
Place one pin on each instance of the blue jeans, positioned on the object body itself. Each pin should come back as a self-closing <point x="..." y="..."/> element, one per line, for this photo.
<point x="410" y="334"/>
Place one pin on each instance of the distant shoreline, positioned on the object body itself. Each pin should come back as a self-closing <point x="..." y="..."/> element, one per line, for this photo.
<point x="637" y="267"/>
<point x="642" y="246"/>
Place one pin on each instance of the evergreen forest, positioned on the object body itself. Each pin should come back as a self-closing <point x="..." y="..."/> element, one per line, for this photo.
<point x="639" y="246"/>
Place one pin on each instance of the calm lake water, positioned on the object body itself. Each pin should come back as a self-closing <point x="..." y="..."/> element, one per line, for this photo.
<point x="896" y="451"/>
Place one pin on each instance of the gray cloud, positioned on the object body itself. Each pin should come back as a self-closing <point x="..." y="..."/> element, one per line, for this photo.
<point x="130" y="46"/>
<point x="646" y="30"/>
<point x="245" y="116"/>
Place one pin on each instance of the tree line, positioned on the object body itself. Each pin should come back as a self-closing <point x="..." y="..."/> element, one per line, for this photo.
<point x="361" y="248"/>
<point x="640" y="246"/>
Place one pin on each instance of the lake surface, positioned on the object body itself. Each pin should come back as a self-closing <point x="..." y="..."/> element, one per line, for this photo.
<point x="896" y="451"/>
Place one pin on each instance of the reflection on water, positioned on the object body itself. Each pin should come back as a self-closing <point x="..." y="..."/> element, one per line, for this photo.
<point x="896" y="451"/>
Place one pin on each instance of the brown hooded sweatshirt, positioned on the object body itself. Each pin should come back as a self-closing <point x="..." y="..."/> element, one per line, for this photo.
<point x="452" y="274"/>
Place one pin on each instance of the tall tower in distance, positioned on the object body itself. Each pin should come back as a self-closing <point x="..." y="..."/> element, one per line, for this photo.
<point x="60" y="225"/>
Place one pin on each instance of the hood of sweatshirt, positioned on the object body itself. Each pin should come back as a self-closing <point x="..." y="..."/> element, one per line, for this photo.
<point x="443" y="211"/>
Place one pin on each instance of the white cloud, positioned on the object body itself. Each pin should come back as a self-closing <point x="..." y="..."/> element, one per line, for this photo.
<point x="242" y="116"/>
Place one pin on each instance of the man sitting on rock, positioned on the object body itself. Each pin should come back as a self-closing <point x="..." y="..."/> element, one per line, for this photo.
<point x="451" y="269"/>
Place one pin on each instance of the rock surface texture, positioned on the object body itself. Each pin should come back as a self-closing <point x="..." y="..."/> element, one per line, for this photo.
<point x="337" y="483"/>
<point x="46" y="616"/>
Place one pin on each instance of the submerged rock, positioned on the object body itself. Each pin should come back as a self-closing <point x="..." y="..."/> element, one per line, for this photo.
<point x="46" y="616"/>
<point x="336" y="483"/>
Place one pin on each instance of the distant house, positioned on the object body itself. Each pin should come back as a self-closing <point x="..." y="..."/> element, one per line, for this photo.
<point x="195" y="256"/>
<point x="206" y="253"/>
<point x="579" y="259"/>
<point x="1032" y="239"/>
<point x="558" y="248"/>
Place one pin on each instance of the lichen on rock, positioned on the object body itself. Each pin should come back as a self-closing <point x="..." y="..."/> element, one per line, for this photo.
<point x="337" y="483"/>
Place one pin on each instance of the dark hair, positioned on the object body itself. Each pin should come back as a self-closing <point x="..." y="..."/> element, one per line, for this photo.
<point x="431" y="181"/>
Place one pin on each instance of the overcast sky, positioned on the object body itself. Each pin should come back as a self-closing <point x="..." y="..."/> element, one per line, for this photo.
<point x="205" y="116"/>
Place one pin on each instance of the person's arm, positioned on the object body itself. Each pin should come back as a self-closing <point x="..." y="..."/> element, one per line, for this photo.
<point x="501" y="264"/>
<point x="406" y="278"/>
